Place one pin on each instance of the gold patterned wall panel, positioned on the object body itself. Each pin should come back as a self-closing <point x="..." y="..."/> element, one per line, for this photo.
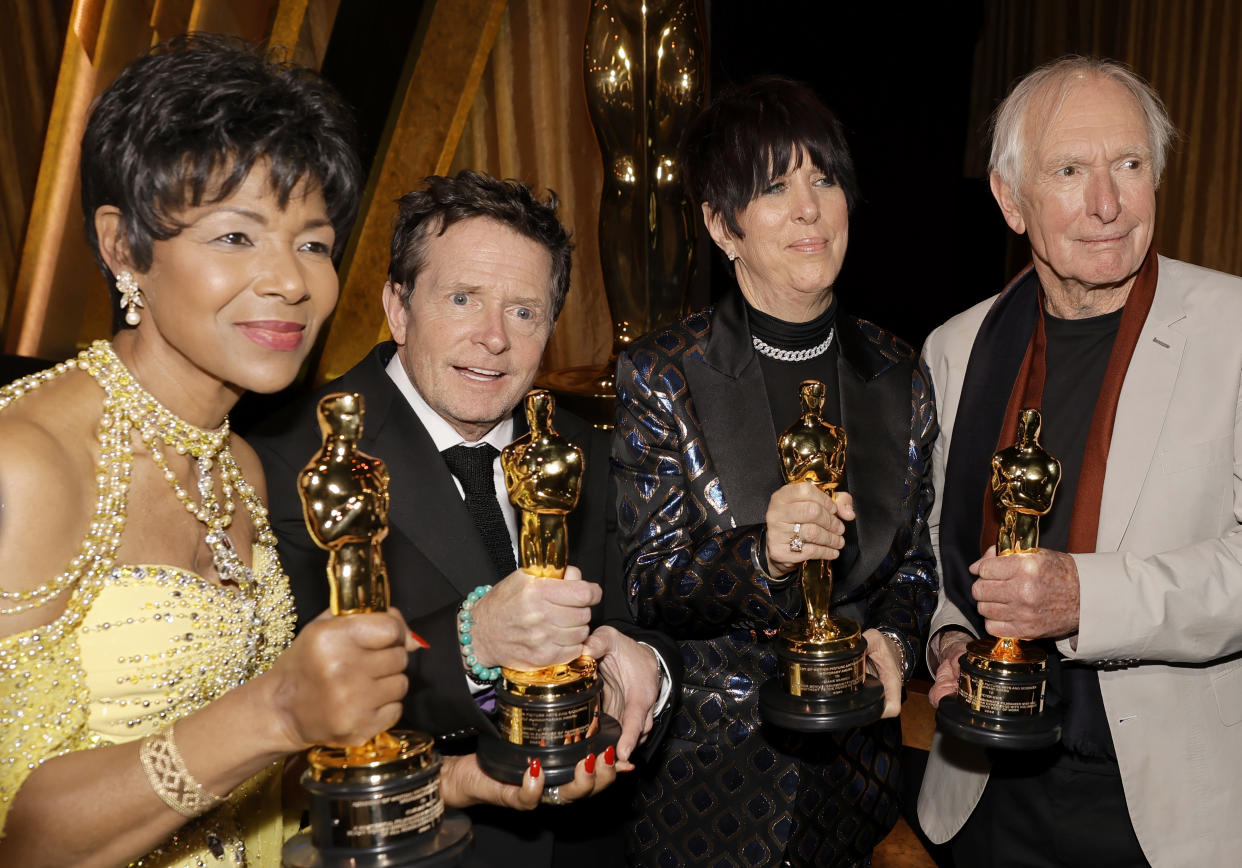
<point x="59" y="300"/>
<point x="170" y="17"/>
<point x="530" y="121"/>
<point x="302" y="29"/>
<point x="30" y="47"/>
<point x="249" y="19"/>
<point x="424" y="127"/>
<point x="57" y="281"/>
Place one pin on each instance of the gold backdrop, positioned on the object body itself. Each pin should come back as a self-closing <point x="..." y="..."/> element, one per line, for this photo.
<point x="500" y="88"/>
<point x="530" y="121"/>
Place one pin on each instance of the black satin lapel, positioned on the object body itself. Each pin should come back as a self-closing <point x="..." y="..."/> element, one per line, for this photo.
<point x="594" y="477"/>
<point x="874" y="413"/>
<point x="423" y="501"/>
<point x="995" y="359"/>
<point x="731" y="402"/>
<point x="729" y="348"/>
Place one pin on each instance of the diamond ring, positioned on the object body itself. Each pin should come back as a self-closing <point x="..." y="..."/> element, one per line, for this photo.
<point x="551" y="796"/>
<point x="795" y="543"/>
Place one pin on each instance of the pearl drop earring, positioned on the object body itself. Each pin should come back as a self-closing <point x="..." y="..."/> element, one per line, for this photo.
<point x="131" y="297"/>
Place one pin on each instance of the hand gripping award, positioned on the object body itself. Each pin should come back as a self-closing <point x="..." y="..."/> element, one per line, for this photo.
<point x="1000" y="692"/>
<point x="822" y="683"/>
<point x="378" y="804"/>
<point x="551" y="714"/>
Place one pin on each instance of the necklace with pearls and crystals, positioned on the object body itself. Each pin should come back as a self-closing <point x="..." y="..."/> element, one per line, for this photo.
<point x="97" y="554"/>
<point x="155" y="423"/>
<point x="794" y="355"/>
<point x="108" y="519"/>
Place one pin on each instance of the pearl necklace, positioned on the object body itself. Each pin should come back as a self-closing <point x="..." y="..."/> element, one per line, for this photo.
<point x="155" y="423"/>
<point x="108" y="520"/>
<point x="794" y="355"/>
<point x="127" y="406"/>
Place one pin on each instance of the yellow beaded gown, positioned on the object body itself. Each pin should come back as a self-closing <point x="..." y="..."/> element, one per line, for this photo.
<point x="140" y="646"/>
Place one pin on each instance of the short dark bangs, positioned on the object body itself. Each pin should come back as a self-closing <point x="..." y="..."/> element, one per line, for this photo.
<point x="752" y="134"/>
<point x="186" y="124"/>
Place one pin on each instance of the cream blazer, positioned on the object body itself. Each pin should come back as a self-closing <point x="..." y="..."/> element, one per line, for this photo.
<point x="1161" y="598"/>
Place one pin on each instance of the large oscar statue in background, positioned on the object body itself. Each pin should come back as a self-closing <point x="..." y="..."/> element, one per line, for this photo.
<point x="644" y="70"/>
<point x="376" y="805"/>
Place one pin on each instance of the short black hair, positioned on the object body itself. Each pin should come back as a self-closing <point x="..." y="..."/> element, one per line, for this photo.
<point x="750" y="133"/>
<point x="186" y="123"/>
<point x="445" y="201"/>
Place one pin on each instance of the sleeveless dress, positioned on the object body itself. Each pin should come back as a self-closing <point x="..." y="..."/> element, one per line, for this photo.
<point x="137" y="648"/>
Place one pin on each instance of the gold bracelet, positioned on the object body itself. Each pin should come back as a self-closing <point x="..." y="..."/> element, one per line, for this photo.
<point x="171" y="780"/>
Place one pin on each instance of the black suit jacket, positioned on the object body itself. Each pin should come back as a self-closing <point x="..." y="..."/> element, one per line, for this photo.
<point x="696" y="462"/>
<point x="435" y="557"/>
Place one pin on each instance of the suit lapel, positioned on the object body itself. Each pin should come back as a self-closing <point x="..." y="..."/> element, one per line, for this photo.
<point x="876" y="448"/>
<point x="425" y="506"/>
<point x="1141" y="409"/>
<point x="731" y="402"/>
<point x="578" y="433"/>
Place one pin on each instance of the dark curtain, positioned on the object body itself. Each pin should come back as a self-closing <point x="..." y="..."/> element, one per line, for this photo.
<point x="1191" y="52"/>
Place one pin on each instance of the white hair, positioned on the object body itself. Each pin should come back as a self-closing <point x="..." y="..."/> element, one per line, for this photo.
<point x="1009" y="145"/>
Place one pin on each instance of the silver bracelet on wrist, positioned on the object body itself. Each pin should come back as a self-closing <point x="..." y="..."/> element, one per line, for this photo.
<point x="902" y="661"/>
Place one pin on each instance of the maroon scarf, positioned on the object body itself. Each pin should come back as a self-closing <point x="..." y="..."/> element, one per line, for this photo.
<point x="1028" y="391"/>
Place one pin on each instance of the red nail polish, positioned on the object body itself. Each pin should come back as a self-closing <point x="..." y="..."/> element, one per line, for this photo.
<point x="422" y="643"/>
<point x="534" y="768"/>
<point x="610" y="755"/>
<point x="589" y="764"/>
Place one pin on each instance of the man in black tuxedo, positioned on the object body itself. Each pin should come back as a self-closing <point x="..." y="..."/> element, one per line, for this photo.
<point x="478" y="275"/>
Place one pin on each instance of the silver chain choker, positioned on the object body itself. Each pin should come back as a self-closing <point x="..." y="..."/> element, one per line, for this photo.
<point x="794" y="355"/>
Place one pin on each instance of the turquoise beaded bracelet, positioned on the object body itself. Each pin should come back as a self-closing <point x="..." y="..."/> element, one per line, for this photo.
<point x="465" y="623"/>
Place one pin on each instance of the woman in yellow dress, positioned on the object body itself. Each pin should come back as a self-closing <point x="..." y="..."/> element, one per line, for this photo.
<point x="150" y="684"/>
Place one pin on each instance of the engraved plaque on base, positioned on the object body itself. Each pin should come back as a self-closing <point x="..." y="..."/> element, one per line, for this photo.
<point x="551" y="714"/>
<point x="376" y="805"/>
<point x="378" y="811"/>
<point x="821" y="683"/>
<point x="1000" y="694"/>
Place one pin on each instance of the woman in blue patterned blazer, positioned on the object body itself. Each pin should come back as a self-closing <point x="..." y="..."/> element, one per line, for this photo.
<point x="706" y="521"/>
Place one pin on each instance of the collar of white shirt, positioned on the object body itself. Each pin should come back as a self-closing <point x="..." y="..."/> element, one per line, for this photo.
<point x="443" y="435"/>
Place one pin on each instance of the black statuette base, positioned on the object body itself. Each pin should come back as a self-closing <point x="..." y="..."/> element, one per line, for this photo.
<point x="508" y="762"/>
<point x="1000" y="700"/>
<point x="1029" y="732"/>
<point x="445" y="847"/>
<point x="802" y="714"/>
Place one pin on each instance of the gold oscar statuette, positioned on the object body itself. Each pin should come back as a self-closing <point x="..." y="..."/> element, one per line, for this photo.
<point x="1000" y="698"/>
<point x="376" y="804"/>
<point x="822" y="683"/>
<point x="552" y="713"/>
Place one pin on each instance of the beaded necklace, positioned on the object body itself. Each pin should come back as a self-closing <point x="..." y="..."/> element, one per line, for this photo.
<point x="155" y="423"/>
<point x="128" y="407"/>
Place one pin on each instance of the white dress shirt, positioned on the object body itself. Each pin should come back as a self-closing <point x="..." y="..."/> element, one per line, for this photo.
<point x="444" y="436"/>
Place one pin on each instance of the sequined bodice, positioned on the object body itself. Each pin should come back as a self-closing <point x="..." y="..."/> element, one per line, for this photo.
<point x="160" y="642"/>
<point x="138" y="647"/>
